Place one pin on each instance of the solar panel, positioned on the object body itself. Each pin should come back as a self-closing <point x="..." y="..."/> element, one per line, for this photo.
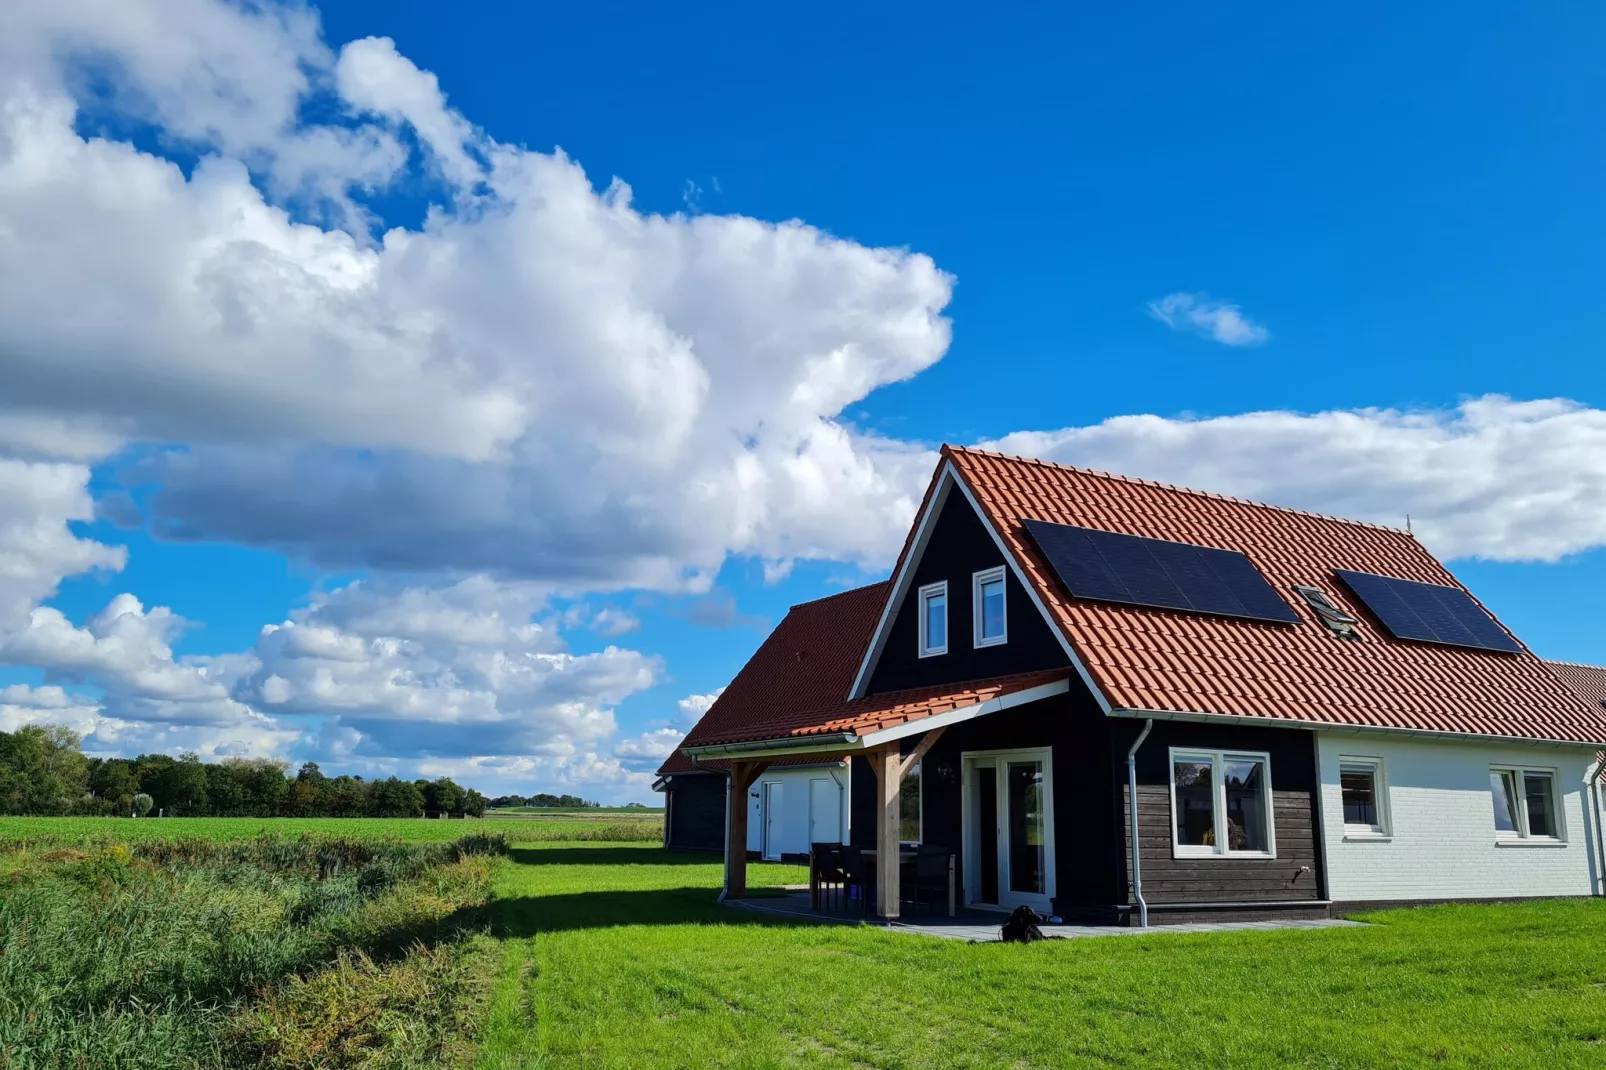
<point x="1428" y="612"/>
<point x="1103" y="566"/>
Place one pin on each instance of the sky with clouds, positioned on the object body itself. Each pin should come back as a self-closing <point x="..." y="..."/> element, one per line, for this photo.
<point x="347" y="417"/>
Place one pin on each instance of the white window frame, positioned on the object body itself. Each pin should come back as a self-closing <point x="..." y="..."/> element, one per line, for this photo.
<point x="990" y="575"/>
<point x="1521" y="837"/>
<point x="1218" y="758"/>
<point x="1384" y="828"/>
<point x="925" y="595"/>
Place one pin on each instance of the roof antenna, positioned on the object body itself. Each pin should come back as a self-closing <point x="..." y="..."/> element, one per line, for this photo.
<point x="1408" y="523"/>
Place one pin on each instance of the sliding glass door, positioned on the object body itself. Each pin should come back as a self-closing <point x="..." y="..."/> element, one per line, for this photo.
<point x="1009" y="829"/>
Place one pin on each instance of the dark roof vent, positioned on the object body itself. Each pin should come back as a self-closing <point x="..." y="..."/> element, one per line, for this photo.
<point x="1338" y="622"/>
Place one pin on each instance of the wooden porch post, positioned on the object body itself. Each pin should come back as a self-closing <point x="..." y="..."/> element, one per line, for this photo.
<point x="743" y="774"/>
<point x="889" y="784"/>
<point x="890" y="768"/>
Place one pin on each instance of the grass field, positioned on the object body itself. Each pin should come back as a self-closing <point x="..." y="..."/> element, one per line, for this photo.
<point x="618" y="955"/>
<point x="654" y="811"/>
<point x="611" y="827"/>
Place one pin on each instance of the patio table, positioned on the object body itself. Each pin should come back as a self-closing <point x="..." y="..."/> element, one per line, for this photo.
<point x="904" y="855"/>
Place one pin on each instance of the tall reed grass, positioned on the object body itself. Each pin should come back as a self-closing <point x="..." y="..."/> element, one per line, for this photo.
<point x="158" y="955"/>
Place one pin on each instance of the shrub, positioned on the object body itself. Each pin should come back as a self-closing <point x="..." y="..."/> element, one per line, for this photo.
<point x="143" y="804"/>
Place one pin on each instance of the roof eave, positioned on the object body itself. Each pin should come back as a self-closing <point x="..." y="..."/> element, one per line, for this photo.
<point x="1354" y="729"/>
<point x="853" y="742"/>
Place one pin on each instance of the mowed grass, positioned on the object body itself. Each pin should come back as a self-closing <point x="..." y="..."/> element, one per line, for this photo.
<point x="612" y="827"/>
<point x="620" y="956"/>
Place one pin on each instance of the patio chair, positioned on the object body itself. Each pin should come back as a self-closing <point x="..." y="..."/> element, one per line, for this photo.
<point x="929" y="871"/>
<point x="827" y="860"/>
<point x="857" y="872"/>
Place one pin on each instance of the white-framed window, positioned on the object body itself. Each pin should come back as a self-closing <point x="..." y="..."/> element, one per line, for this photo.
<point x="1526" y="806"/>
<point x="1221" y="804"/>
<point x="909" y="811"/>
<point x="934" y="619"/>
<point x="1365" y="793"/>
<point x="989" y="624"/>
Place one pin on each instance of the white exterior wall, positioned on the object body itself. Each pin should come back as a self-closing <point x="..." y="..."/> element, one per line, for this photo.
<point x="1442" y="843"/>
<point x="793" y="829"/>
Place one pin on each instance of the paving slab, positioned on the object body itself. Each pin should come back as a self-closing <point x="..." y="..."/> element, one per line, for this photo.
<point x="982" y="926"/>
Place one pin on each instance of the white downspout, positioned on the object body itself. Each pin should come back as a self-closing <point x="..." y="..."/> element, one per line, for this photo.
<point x="1132" y="795"/>
<point x="1595" y="820"/>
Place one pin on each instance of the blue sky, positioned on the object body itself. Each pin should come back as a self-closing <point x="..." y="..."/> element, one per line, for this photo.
<point x="1384" y="224"/>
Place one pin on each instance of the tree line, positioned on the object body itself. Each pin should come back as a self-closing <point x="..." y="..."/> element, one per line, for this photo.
<point x="43" y="770"/>
<point x="541" y="799"/>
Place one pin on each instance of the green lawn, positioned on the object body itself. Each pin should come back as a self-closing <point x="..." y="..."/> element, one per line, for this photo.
<point x="619" y="956"/>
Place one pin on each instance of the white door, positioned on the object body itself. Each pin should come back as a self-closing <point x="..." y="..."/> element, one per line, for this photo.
<point x="772" y="820"/>
<point x="825" y="811"/>
<point x="1008" y="801"/>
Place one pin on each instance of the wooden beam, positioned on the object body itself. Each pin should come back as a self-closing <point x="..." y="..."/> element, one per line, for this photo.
<point x="742" y="776"/>
<point x="919" y="752"/>
<point x="889" y="771"/>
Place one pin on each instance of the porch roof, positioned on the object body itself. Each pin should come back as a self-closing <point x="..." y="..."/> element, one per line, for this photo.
<point x="848" y="725"/>
<point x="805" y="664"/>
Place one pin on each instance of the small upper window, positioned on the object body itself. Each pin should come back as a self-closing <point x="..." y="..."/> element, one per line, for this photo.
<point x="1365" y="796"/>
<point x="934" y="619"/>
<point x="1338" y="622"/>
<point x="987" y="600"/>
<point x="1525" y="804"/>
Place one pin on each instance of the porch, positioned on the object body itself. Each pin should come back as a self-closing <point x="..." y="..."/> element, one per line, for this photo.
<point x="982" y="926"/>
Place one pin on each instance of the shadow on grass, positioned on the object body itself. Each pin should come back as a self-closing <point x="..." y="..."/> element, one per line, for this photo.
<point x="609" y="856"/>
<point x="528" y="915"/>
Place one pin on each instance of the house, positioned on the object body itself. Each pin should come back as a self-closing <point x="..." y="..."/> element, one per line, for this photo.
<point x="1132" y="703"/>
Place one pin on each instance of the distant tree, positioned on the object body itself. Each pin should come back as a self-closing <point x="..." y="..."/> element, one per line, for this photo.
<point x="443" y="796"/>
<point x="179" y="786"/>
<point x="116" y="781"/>
<point x="346" y="797"/>
<point x="42" y="770"/>
<point x="473" y="803"/>
<point x="143" y="804"/>
<point x="394" y="798"/>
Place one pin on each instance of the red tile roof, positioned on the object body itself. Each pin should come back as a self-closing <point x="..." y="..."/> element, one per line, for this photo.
<point x="807" y="663"/>
<point x="886" y="710"/>
<point x="1149" y="659"/>
<point x="1588" y="680"/>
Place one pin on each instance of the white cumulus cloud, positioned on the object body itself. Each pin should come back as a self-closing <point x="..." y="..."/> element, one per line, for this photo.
<point x="1492" y="478"/>
<point x="1220" y="321"/>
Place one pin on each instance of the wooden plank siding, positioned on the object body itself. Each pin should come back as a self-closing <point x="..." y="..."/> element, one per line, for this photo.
<point x="1294" y="875"/>
<point x="958" y="549"/>
<point x="696" y="818"/>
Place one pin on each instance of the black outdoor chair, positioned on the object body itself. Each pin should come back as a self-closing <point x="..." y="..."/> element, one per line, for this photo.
<point x="827" y="867"/>
<point x="857" y="872"/>
<point x="928" y="872"/>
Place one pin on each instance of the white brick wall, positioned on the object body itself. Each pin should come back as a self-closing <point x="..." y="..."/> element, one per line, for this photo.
<point x="1443" y="842"/>
<point x="794" y="809"/>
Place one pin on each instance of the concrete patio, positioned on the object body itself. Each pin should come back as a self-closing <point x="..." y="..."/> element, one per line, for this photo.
<point x="983" y="925"/>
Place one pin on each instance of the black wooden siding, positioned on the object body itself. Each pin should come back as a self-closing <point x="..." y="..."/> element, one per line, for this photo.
<point x="696" y="812"/>
<point x="1092" y="841"/>
<point x="959" y="547"/>
<point x="1294" y="874"/>
<point x="1087" y="853"/>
